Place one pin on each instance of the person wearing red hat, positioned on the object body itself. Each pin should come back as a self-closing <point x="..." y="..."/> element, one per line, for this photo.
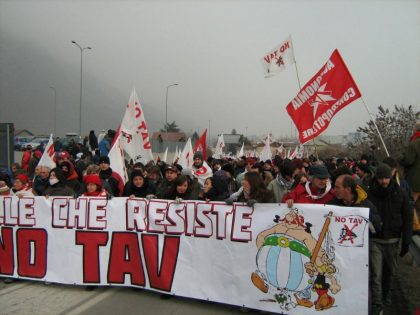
<point x="21" y="187"/>
<point x="93" y="186"/>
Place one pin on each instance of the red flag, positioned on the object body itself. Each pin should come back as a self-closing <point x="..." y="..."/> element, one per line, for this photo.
<point x="331" y="89"/>
<point x="201" y="145"/>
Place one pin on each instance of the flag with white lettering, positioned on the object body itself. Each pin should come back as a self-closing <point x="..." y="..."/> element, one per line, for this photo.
<point x="47" y="158"/>
<point x="278" y="58"/>
<point x="325" y="94"/>
<point x="134" y="134"/>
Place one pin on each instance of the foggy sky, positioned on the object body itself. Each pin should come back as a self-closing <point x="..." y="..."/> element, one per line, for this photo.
<point x="212" y="49"/>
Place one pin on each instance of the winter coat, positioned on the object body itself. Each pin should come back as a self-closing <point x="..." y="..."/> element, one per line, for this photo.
<point x="219" y="191"/>
<point x="393" y="207"/>
<point x="363" y="202"/>
<point x="279" y="186"/>
<point x="114" y="180"/>
<point x="140" y="192"/>
<point x="93" y="141"/>
<point x="59" y="189"/>
<point x="300" y="195"/>
<point x="39" y="185"/>
<point x="411" y="161"/>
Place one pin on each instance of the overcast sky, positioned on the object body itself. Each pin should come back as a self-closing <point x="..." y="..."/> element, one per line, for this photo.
<point x="212" y="49"/>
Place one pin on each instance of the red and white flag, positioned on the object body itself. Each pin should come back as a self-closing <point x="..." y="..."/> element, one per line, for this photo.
<point x="278" y="58"/>
<point x="133" y="131"/>
<point x="47" y="158"/>
<point x="294" y="154"/>
<point x="218" y="152"/>
<point x="325" y="94"/>
<point x="201" y="145"/>
<point x="116" y="159"/>
<point x="187" y="155"/>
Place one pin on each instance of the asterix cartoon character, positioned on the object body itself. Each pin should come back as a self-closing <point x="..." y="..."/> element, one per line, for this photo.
<point x="291" y="261"/>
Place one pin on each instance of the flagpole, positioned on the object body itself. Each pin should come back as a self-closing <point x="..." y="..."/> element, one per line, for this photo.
<point x="300" y="87"/>
<point x="377" y="129"/>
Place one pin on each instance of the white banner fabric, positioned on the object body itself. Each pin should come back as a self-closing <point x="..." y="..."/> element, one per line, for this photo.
<point x="268" y="257"/>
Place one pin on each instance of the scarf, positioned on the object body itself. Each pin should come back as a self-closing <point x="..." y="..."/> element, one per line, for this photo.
<point x="308" y="190"/>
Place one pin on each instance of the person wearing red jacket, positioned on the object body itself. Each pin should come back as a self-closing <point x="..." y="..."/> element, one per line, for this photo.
<point x="318" y="190"/>
<point x="26" y="157"/>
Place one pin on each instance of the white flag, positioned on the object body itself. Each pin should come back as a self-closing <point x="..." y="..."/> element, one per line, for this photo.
<point x="47" y="158"/>
<point x="165" y="155"/>
<point x="116" y="159"/>
<point x="278" y="58"/>
<point x="186" y="157"/>
<point x="241" y="151"/>
<point x="300" y="151"/>
<point x="348" y="230"/>
<point x="266" y="152"/>
<point x="176" y="156"/>
<point x="134" y="134"/>
<point x="294" y="153"/>
<point x="218" y="153"/>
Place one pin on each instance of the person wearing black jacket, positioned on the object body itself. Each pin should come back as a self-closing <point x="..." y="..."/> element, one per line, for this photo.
<point x="57" y="184"/>
<point x="138" y="186"/>
<point x="393" y="206"/>
<point x="179" y="190"/>
<point x="349" y="194"/>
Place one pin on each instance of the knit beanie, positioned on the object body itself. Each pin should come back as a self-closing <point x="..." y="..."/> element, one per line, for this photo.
<point x="23" y="178"/>
<point x="93" y="179"/>
<point x="383" y="171"/>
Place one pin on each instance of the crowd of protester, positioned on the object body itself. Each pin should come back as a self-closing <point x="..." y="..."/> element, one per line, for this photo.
<point x="389" y="188"/>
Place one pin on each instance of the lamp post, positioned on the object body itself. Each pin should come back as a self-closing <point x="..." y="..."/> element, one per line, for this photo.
<point x="81" y="80"/>
<point x="55" y="110"/>
<point x="166" y="109"/>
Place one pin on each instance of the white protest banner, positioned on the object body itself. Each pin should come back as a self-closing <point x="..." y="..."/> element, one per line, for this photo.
<point x="134" y="133"/>
<point x="47" y="158"/>
<point x="230" y="254"/>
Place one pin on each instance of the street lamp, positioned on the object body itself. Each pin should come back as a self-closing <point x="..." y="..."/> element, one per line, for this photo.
<point x="166" y="111"/>
<point x="55" y="110"/>
<point x="81" y="80"/>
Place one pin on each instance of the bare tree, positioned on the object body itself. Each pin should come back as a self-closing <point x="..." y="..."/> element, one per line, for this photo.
<point x="395" y="127"/>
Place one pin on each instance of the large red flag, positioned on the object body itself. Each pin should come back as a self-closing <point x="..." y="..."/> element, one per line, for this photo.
<point x="331" y="89"/>
<point x="201" y="145"/>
